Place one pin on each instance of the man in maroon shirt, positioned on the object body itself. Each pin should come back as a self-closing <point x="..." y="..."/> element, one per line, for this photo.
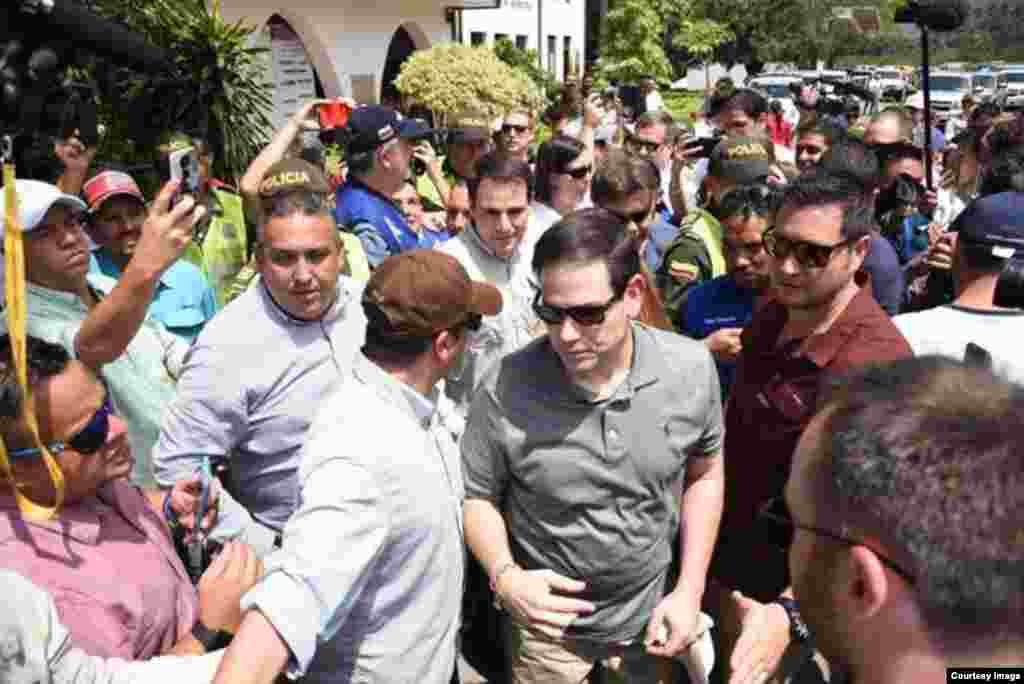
<point x="821" y="318"/>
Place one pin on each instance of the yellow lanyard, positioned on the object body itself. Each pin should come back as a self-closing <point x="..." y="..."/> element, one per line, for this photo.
<point x="17" y="308"/>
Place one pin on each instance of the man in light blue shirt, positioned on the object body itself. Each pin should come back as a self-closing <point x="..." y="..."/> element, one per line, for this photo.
<point x="184" y="300"/>
<point x="367" y="586"/>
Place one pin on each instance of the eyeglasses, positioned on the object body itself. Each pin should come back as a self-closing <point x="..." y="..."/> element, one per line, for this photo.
<point x="777" y="513"/>
<point x="86" y="441"/>
<point x="590" y="314"/>
<point x="513" y="128"/>
<point x="807" y="254"/>
<point x="473" y="322"/>
<point x="579" y="173"/>
<point x="641" y="146"/>
<point x="639" y="217"/>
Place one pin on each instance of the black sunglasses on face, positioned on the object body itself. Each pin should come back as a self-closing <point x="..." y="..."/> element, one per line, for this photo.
<point x="638" y="217"/>
<point x="473" y="322"/>
<point x="775" y="512"/>
<point x="513" y="128"/>
<point x="643" y="146"/>
<point x="86" y="441"/>
<point x="590" y="314"/>
<point x="807" y="254"/>
<point x="579" y="173"/>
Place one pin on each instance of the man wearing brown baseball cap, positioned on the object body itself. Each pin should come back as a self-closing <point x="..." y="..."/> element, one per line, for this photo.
<point x="381" y="511"/>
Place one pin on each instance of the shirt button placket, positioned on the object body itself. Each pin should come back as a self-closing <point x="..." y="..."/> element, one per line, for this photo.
<point x="614" y="442"/>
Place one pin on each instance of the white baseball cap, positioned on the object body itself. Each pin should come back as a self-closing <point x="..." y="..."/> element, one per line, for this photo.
<point x="35" y="198"/>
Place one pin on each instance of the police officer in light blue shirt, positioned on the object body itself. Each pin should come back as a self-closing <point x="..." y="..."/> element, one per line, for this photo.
<point x="184" y="300"/>
<point x="718" y="310"/>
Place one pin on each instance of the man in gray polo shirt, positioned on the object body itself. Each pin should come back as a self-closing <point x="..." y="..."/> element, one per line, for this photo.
<point x="575" y="450"/>
<point x="261" y="368"/>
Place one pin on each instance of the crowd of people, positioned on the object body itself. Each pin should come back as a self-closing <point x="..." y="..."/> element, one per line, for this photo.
<point x="631" y="403"/>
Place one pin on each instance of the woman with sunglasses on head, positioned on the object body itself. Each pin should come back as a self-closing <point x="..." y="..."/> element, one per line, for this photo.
<point x="106" y="554"/>
<point x="718" y="310"/>
<point x="561" y="180"/>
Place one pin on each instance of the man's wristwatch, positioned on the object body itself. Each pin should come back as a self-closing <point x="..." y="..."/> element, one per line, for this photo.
<point x="798" y="630"/>
<point x="210" y="639"/>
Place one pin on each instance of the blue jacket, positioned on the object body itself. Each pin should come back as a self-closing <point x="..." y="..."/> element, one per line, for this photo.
<point x="375" y="220"/>
<point x="713" y="305"/>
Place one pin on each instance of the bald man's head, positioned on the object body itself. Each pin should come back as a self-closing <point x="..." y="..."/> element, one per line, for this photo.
<point x="890" y="126"/>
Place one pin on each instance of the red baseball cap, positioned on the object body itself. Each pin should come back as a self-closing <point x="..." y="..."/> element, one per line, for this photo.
<point x="107" y="184"/>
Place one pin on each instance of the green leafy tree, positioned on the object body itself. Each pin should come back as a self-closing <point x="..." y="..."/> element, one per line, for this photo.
<point x="701" y="38"/>
<point x="526" y="62"/>
<point x="631" y="42"/>
<point x="452" y="77"/>
<point x="218" y="84"/>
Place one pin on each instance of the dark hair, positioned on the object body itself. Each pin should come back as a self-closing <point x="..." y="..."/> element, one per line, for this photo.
<point x="852" y="160"/>
<point x="751" y="199"/>
<point x="361" y="163"/>
<point x="590" y="235"/>
<point x="553" y="157"/>
<point x="979" y="258"/>
<point x="304" y="202"/>
<point x="748" y="101"/>
<point x="45" y="360"/>
<point x="1005" y="173"/>
<point x="925" y="456"/>
<point x="823" y="126"/>
<point x="497" y="166"/>
<point x="389" y="349"/>
<point x="817" y="188"/>
<point x="656" y="118"/>
<point x="621" y="175"/>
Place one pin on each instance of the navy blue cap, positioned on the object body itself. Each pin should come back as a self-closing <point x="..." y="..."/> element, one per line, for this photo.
<point x="996" y="221"/>
<point x="372" y="126"/>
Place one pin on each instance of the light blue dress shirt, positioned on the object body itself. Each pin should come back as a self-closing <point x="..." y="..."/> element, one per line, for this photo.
<point x="368" y="584"/>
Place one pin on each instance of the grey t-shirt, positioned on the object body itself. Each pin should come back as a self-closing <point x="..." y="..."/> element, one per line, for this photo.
<point x="587" y="489"/>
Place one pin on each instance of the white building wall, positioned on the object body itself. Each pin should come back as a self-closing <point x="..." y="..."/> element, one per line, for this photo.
<point x="347" y="40"/>
<point x="517" y="21"/>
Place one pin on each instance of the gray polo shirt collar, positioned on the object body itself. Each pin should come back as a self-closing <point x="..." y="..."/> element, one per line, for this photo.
<point x="420" y="408"/>
<point x="555" y="383"/>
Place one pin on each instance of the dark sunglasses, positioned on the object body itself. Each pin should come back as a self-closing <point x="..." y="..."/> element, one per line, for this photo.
<point x="473" y="322"/>
<point x="591" y="314"/>
<point x="807" y="254"/>
<point x="776" y="513"/>
<point x="513" y="128"/>
<point x="86" y="441"/>
<point x="578" y="174"/>
<point x="639" y="217"/>
<point x="641" y="145"/>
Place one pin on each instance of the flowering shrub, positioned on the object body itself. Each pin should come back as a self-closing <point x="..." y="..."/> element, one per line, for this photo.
<point x="450" y="78"/>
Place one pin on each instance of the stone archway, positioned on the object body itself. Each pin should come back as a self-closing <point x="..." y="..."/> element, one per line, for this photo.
<point x="407" y="38"/>
<point x="316" y="49"/>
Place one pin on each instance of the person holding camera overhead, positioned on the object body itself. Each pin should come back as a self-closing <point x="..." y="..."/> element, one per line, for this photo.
<point x="100" y="321"/>
<point x="379" y="150"/>
<point x="220" y="243"/>
<point x="184" y="300"/>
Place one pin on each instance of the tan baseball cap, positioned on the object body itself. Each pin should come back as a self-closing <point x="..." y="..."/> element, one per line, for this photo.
<point x="423" y="291"/>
